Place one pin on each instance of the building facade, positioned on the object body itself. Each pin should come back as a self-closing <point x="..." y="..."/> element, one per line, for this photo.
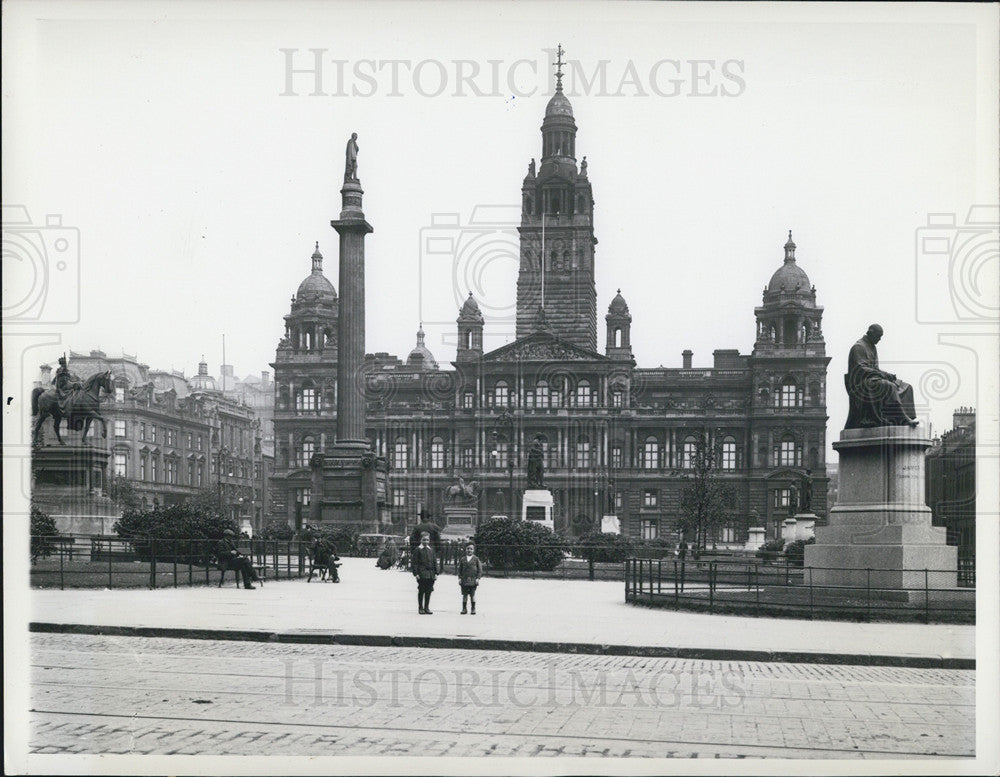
<point x="950" y="485"/>
<point x="619" y="438"/>
<point x="173" y="437"/>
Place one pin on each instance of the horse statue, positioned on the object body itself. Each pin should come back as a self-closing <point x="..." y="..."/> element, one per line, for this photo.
<point x="461" y="491"/>
<point x="82" y="406"/>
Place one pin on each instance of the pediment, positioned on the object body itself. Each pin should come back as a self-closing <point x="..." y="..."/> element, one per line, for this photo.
<point x="543" y="346"/>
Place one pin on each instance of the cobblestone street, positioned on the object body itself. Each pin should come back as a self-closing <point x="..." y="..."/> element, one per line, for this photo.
<point x="96" y="694"/>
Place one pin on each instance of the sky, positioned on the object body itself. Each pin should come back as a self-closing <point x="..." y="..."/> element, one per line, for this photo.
<point x="193" y="173"/>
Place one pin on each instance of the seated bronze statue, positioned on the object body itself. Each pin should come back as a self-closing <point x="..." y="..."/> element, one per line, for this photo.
<point x="877" y="398"/>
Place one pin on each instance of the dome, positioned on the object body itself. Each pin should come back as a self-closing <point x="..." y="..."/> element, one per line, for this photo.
<point x="421" y="357"/>
<point x="789" y="276"/>
<point x="316" y="285"/>
<point x="470" y="309"/>
<point x="559" y="105"/>
<point x="618" y="306"/>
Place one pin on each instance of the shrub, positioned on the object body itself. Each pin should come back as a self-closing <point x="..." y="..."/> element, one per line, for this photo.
<point x="276" y="530"/>
<point x="795" y="553"/>
<point x="601" y="547"/>
<point x="43" y="534"/>
<point x="771" y="549"/>
<point x="510" y="543"/>
<point x="188" y="521"/>
<point x="657" y="547"/>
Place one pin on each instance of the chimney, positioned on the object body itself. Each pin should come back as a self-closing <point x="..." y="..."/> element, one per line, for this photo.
<point x="46" y="377"/>
<point x="963" y="418"/>
<point x="686" y="355"/>
<point x="265" y="378"/>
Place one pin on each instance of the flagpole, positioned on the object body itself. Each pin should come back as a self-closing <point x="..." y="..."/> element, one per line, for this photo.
<point x="543" y="257"/>
<point x="223" y="370"/>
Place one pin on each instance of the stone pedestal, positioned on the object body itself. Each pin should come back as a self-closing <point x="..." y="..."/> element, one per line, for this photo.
<point x="755" y="537"/>
<point x="611" y="525"/>
<point x="805" y="526"/>
<point x="536" y="505"/>
<point x="460" y="521"/>
<point x="788" y="530"/>
<point x="880" y="522"/>
<point x="68" y="483"/>
<point x="349" y="488"/>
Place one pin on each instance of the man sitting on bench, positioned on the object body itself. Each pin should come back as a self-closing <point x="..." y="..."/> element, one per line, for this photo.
<point x="230" y="558"/>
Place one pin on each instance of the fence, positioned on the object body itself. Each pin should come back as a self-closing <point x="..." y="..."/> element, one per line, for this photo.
<point x="792" y="591"/>
<point x="88" y="561"/>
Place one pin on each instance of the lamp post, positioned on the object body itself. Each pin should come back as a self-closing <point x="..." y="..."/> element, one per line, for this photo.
<point x="505" y="422"/>
<point x="220" y="454"/>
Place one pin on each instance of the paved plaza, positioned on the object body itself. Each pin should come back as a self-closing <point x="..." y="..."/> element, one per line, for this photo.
<point x="132" y="695"/>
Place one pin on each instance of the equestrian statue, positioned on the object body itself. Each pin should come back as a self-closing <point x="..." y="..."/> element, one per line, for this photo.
<point x="78" y="402"/>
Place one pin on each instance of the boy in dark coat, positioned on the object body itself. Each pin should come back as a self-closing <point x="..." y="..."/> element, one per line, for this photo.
<point x="425" y="570"/>
<point x="470" y="569"/>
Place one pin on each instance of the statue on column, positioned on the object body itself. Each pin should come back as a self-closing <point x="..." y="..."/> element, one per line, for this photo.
<point x="351" y="165"/>
<point x="877" y="398"/>
<point x="536" y="466"/>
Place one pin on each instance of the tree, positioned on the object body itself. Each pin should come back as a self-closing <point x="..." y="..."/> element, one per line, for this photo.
<point x="706" y="501"/>
<point x="123" y="492"/>
<point x="43" y="534"/>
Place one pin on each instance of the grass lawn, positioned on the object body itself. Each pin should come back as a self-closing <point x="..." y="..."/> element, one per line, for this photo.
<point x="130" y="574"/>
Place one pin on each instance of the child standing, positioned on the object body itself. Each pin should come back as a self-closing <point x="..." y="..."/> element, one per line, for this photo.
<point x="470" y="569"/>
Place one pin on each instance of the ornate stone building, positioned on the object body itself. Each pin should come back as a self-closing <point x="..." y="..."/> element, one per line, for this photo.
<point x="618" y="437"/>
<point x="950" y="487"/>
<point x="173" y="436"/>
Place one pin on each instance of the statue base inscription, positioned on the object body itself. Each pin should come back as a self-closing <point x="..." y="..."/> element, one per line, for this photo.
<point x="460" y="522"/>
<point x="68" y="485"/>
<point x="880" y="533"/>
<point x="349" y="486"/>
<point x="536" y="505"/>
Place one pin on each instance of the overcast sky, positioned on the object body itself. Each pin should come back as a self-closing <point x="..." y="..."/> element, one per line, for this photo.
<point x="167" y="136"/>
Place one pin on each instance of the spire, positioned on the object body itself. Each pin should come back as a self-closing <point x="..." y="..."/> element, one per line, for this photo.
<point x="790" y="248"/>
<point x="317" y="260"/>
<point x="559" y="63"/>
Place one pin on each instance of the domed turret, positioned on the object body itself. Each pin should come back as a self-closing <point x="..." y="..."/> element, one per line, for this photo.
<point x="316" y="287"/>
<point x="202" y="381"/>
<point x="619" y="321"/>
<point x="470" y="310"/>
<point x="789" y="278"/>
<point x="420" y="357"/>
<point x="618" y="306"/>
<point x="470" y="331"/>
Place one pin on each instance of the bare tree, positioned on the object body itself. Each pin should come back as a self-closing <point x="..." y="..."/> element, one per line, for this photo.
<point x="706" y="501"/>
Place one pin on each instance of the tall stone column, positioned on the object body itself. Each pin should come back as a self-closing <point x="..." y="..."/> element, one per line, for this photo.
<point x="352" y="228"/>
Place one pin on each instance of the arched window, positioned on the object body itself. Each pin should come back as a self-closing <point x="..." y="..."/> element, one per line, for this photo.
<point x="542" y="394"/>
<point x="306" y="450"/>
<point x="728" y="454"/>
<point x="651" y="453"/>
<point x="789" y="454"/>
<point x="437" y="453"/>
<point x="501" y="394"/>
<point x="689" y="453"/>
<point x="584" y="394"/>
<point x="583" y="453"/>
<point x="468" y="400"/>
<point x="617" y="338"/>
<point x="400" y="454"/>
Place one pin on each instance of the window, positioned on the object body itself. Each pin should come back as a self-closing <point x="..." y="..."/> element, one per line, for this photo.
<point x="119" y="427"/>
<point x="782" y="497"/>
<point x="619" y="500"/>
<point x="468" y="400"/>
<point x="651" y="454"/>
<point x="200" y="442"/>
<point x="583" y="453"/>
<point x="649" y="529"/>
<point x="617" y="461"/>
<point x="303" y="496"/>
<point x="501" y="394"/>
<point x="529" y="398"/>
<point x="789" y="452"/>
<point x="690" y="453"/>
<point x="542" y="395"/>
<point x="468" y="457"/>
<point x="171" y="437"/>
<point x="201" y="473"/>
<point x="306" y="451"/>
<point x="729" y="454"/>
<point x="154" y="474"/>
<point x="121" y="464"/>
<point x="400" y="454"/>
<point x="143" y="466"/>
<point x="170" y="470"/>
<point x="727" y="534"/>
<point x="790" y="395"/>
<point x="584" y="394"/>
<point x="500" y="455"/>
<point x="192" y="466"/>
<point x="650" y="497"/>
<point x="437" y="453"/>
<point x="305" y="401"/>
<point x="119" y="393"/>
<point x="256" y="471"/>
<point x="399" y="497"/>
<point x="142" y="432"/>
<point x="617" y="398"/>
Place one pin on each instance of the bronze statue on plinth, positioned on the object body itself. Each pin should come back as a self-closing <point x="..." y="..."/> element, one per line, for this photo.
<point x="877" y="398"/>
<point x="79" y="404"/>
